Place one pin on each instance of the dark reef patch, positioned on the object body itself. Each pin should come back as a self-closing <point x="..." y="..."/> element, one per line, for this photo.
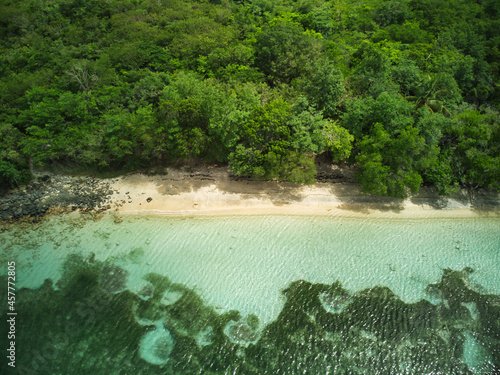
<point x="79" y="327"/>
<point x="113" y="279"/>
<point x="41" y="196"/>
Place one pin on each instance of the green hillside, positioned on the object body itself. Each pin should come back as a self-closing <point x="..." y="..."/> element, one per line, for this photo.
<point x="408" y="92"/>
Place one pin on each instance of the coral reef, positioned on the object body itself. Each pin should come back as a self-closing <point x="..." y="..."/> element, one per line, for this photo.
<point x="92" y="324"/>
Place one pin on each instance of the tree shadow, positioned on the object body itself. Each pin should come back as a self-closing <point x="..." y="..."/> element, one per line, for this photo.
<point x="279" y="193"/>
<point x="428" y="196"/>
<point x="347" y="193"/>
<point x="486" y="203"/>
<point x="353" y="199"/>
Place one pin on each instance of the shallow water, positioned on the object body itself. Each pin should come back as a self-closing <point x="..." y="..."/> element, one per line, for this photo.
<point x="256" y="295"/>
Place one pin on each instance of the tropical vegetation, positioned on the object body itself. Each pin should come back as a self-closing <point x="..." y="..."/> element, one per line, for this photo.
<point x="405" y="91"/>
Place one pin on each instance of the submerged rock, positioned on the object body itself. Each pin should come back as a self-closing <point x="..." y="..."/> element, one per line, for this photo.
<point x="146" y="292"/>
<point x="136" y="255"/>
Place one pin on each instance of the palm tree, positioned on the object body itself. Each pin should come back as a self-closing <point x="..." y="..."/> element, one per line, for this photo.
<point x="436" y="93"/>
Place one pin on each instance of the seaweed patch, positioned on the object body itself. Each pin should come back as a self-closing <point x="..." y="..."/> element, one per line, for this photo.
<point x="92" y="323"/>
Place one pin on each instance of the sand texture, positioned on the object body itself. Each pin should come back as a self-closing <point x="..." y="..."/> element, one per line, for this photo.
<point x="214" y="191"/>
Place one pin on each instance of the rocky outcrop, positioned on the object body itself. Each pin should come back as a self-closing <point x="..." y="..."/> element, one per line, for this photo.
<point x="83" y="193"/>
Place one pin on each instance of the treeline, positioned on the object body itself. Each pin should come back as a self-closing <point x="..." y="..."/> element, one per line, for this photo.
<point x="406" y="90"/>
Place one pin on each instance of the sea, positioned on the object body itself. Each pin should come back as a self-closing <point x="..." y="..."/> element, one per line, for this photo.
<point x="255" y="294"/>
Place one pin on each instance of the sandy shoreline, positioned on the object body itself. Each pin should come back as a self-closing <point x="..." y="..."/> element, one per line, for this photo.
<point x="215" y="192"/>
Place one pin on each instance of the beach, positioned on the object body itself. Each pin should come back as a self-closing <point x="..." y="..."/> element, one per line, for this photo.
<point x="213" y="191"/>
<point x="194" y="263"/>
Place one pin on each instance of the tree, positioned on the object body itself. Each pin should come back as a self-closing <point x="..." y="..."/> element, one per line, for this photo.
<point x="298" y="168"/>
<point x="273" y="144"/>
<point x="265" y="132"/>
<point x="117" y="142"/>
<point x="406" y="74"/>
<point x="283" y="51"/>
<point x="82" y="73"/>
<point x="437" y="93"/>
<point x="59" y="126"/>
<point x="338" y="141"/>
<point x="432" y="126"/>
<point x="306" y="124"/>
<point x="391" y="165"/>
<point x="373" y="173"/>
<point x="392" y="12"/>
<point x="389" y="109"/>
<point x="371" y="73"/>
<point x="475" y="149"/>
<point x="324" y="87"/>
<point x="204" y="117"/>
<point x="408" y="33"/>
<point x="441" y="174"/>
<point x="147" y="137"/>
<point x="14" y="165"/>
<point x="197" y="35"/>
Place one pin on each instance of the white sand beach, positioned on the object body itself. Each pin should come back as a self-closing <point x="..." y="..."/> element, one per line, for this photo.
<point x="213" y="191"/>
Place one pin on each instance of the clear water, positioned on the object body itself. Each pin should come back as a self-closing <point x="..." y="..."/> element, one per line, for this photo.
<point x="257" y="295"/>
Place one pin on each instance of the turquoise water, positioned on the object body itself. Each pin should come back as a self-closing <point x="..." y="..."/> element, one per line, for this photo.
<point x="257" y="295"/>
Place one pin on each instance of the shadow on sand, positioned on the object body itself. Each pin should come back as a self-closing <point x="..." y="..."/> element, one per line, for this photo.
<point x="339" y="184"/>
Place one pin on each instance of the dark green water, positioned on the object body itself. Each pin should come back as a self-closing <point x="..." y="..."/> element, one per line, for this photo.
<point x="255" y="295"/>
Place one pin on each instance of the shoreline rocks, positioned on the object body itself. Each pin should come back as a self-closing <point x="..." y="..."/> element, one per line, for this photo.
<point x="46" y="193"/>
<point x="55" y="194"/>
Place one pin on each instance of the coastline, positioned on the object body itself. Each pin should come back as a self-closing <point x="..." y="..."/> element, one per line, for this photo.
<point x="213" y="192"/>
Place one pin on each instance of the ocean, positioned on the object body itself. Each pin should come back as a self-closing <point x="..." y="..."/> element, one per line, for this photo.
<point x="267" y="294"/>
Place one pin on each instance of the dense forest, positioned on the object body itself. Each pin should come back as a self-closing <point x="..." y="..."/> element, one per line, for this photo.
<point x="406" y="91"/>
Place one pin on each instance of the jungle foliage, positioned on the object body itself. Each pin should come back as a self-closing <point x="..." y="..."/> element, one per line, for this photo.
<point x="407" y="91"/>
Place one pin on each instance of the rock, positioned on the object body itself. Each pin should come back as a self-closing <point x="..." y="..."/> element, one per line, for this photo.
<point x="74" y="193"/>
<point x="149" y="199"/>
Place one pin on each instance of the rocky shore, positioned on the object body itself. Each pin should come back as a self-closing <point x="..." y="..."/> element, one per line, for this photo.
<point x="213" y="190"/>
<point x="49" y="192"/>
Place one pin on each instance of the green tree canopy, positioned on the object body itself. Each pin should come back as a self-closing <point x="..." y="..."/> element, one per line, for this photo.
<point x="283" y="51"/>
<point x="392" y="165"/>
